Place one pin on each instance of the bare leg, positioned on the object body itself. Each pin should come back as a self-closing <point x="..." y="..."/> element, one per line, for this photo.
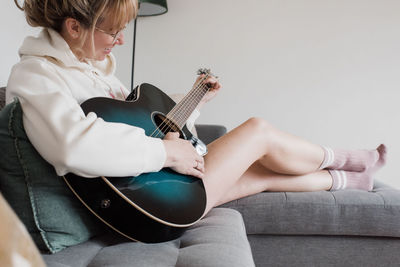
<point x="231" y="156"/>
<point x="289" y="154"/>
<point x="258" y="179"/>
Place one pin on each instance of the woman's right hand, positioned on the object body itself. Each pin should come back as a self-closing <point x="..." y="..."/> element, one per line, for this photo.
<point x="182" y="156"/>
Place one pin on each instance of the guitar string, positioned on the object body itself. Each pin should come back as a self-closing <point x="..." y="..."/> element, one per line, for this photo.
<point x="185" y="114"/>
<point x="174" y="114"/>
<point x="171" y="115"/>
<point x="190" y="101"/>
<point x="171" y="118"/>
<point x="195" y="97"/>
<point x="168" y="122"/>
<point x="181" y="118"/>
<point x="178" y="116"/>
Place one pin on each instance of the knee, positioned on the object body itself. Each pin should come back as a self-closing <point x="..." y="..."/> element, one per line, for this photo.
<point x="263" y="132"/>
<point x="259" y="125"/>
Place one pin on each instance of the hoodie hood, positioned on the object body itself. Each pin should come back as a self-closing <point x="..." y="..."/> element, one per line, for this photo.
<point x="49" y="43"/>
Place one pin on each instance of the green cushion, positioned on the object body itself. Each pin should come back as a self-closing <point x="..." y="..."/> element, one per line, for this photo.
<point x="54" y="217"/>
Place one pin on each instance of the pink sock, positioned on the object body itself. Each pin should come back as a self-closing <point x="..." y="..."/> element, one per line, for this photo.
<point x="350" y="160"/>
<point x="358" y="180"/>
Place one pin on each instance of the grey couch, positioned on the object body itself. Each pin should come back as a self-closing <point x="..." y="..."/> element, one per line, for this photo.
<point x="342" y="228"/>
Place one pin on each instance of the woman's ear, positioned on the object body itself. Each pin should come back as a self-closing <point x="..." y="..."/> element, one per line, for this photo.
<point x="73" y="28"/>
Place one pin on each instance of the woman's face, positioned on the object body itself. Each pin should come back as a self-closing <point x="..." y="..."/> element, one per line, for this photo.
<point x="105" y="38"/>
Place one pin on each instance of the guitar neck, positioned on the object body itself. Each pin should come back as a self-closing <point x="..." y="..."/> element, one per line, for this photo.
<point x="182" y="110"/>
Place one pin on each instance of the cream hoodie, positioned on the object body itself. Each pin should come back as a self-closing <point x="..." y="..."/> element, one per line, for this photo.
<point x="51" y="83"/>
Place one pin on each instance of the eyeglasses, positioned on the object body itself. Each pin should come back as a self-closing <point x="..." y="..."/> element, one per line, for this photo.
<point x="115" y="36"/>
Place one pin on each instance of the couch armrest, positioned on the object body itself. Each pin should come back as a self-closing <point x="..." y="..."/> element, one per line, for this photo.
<point x="208" y="133"/>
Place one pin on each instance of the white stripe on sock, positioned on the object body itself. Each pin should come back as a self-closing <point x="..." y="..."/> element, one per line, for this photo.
<point x="331" y="156"/>
<point x="344" y="179"/>
<point x="328" y="157"/>
<point x="339" y="181"/>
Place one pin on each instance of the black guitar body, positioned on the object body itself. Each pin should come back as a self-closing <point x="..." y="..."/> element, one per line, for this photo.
<point x="152" y="207"/>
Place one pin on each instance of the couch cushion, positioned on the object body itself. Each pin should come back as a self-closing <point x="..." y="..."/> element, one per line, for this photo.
<point x="53" y="216"/>
<point x="345" y="212"/>
<point x="209" y="132"/>
<point x="219" y="239"/>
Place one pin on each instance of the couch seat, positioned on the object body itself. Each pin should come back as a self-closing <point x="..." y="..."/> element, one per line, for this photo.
<point x="219" y="239"/>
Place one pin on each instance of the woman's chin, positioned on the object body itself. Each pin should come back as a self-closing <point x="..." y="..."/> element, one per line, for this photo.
<point x="101" y="57"/>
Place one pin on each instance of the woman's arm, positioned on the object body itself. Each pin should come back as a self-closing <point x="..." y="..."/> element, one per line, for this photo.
<point x="71" y="141"/>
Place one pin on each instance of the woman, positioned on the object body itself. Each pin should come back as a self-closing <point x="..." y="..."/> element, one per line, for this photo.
<point x="71" y="61"/>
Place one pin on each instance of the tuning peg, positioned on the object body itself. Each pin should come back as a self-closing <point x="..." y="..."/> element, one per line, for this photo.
<point x="205" y="71"/>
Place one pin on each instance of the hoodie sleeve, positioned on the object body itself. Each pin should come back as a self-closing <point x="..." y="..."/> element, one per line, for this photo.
<point x="72" y="142"/>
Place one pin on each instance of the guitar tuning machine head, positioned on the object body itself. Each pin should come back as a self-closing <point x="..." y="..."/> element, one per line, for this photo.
<point x="204" y="71"/>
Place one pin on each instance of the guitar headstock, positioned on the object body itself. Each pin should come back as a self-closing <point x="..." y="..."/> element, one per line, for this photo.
<point x="207" y="72"/>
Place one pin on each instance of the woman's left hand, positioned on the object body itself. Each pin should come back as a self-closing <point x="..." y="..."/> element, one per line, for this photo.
<point x="215" y="86"/>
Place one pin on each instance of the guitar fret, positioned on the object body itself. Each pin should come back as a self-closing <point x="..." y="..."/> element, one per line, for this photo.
<point x="182" y="111"/>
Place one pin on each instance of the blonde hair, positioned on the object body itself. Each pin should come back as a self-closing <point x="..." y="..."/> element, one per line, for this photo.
<point x="89" y="13"/>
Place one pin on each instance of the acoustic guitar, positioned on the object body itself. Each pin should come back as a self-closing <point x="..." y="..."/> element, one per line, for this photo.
<point x="152" y="207"/>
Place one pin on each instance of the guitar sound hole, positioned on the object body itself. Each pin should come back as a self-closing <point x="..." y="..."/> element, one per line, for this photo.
<point x="165" y="125"/>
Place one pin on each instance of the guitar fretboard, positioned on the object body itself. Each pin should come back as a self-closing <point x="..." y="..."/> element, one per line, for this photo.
<point x="182" y="111"/>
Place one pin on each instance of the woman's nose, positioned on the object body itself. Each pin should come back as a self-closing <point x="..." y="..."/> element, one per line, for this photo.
<point x="120" y="39"/>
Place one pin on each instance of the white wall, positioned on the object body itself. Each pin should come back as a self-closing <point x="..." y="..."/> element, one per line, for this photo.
<point x="324" y="70"/>
<point x="13" y="29"/>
